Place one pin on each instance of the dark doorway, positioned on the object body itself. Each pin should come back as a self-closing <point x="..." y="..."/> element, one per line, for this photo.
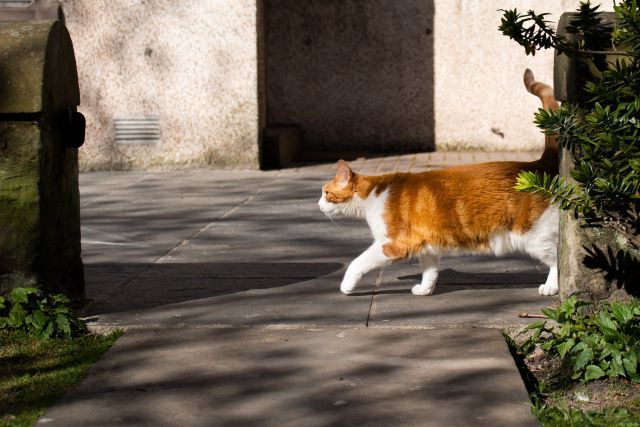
<point x="352" y="75"/>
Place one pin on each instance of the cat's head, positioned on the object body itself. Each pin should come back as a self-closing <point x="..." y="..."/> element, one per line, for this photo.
<point x="340" y="194"/>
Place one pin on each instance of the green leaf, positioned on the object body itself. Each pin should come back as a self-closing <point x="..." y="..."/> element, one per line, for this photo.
<point x="17" y="316"/>
<point x="622" y="313"/>
<point x="593" y="372"/>
<point x="566" y="330"/>
<point x="536" y="325"/>
<point x="60" y="299"/>
<point x="581" y="345"/>
<point x="38" y="320"/>
<point x="630" y="362"/>
<point x="63" y="325"/>
<point x="550" y="313"/>
<point x="565" y="347"/>
<point x="61" y="310"/>
<point x="605" y="323"/>
<point x="47" y="331"/>
<point x="21" y="295"/>
<point x="617" y="368"/>
<point x="584" y="357"/>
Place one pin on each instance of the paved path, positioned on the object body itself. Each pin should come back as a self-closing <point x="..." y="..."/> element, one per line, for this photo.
<point x="227" y="284"/>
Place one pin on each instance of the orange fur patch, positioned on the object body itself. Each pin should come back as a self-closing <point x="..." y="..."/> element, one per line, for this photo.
<point x="458" y="207"/>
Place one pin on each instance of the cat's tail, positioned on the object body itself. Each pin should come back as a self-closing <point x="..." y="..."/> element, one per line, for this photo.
<point x="541" y="90"/>
<point x="545" y="93"/>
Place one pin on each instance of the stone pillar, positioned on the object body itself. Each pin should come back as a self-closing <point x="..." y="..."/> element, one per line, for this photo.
<point x="40" y="131"/>
<point x="597" y="262"/>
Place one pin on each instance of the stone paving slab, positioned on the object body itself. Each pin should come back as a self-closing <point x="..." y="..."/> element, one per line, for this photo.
<point x="472" y="291"/>
<point x="311" y="377"/>
<point x="138" y="217"/>
<point x="307" y="303"/>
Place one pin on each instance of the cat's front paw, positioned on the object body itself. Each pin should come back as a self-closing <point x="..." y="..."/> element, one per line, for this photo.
<point x="347" y="288"/>
<point x="548" y="289"/>
<point x="422" y="290"/>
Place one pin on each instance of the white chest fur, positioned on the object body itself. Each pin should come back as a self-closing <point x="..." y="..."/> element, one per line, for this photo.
<point x="374" y="210"/>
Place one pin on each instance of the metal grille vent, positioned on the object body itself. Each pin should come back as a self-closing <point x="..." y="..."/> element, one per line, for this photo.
<point x="145" y="130"/>
<point x="15" y="3"/>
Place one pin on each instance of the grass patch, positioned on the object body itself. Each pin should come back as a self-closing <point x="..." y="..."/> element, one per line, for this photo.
<point x="35" y="373"/>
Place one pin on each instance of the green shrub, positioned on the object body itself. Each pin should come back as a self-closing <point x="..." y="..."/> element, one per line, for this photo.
<point x="593" y="341"/>
<point x="43" y="316"/>
<point x="602" y="130"/>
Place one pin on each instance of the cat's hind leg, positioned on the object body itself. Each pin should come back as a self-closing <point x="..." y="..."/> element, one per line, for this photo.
<point x="373" y="257"/>
<point x="542" y="243"/>
<point x="429" y="267"/>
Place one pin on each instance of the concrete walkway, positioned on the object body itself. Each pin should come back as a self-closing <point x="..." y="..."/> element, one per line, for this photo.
<point x="227" y="284"/>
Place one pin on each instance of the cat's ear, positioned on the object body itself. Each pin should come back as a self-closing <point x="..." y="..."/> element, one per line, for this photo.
<point x="344" y="172"/>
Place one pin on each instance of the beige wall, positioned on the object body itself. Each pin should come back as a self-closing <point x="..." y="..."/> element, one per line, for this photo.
<point x="387" y="75"/>
<point x="193" y="63"/>
<point x="478" y="75"/>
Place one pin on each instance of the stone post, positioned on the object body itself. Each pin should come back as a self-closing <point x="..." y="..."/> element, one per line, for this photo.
<point x="597" y="262"/>
<point x="40" y="131"/>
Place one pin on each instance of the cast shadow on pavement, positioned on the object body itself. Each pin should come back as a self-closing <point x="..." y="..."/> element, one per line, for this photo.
<point x="115" y="287"/>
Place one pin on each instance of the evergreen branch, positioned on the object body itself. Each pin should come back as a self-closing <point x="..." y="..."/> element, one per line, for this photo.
<point x="566" y="195"/>
<point x="602" y="130"/>
<point x="531" y="31"/>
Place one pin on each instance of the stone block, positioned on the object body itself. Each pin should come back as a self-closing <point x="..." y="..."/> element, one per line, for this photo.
<point x="570" y="73"/>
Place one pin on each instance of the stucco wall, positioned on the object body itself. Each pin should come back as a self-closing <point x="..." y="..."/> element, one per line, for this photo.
<point x="193" y="63"/>
<point x="397" y="75"/>
<point x="478" y="75"/>
<point x="379" y="75"/>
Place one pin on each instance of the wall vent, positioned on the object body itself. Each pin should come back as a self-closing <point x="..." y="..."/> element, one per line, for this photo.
<point x="144" y="130"/>
<point x="15" y="3"/>
<point x="28" y="10"/>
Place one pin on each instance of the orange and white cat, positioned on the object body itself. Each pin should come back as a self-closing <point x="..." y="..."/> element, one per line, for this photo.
<point x="470" y="208"/>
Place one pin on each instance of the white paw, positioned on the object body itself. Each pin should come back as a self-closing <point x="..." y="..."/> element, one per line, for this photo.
<point x="347" y="288"/>
<point x="547" y="289"/>
<point x="421" y="291"/>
